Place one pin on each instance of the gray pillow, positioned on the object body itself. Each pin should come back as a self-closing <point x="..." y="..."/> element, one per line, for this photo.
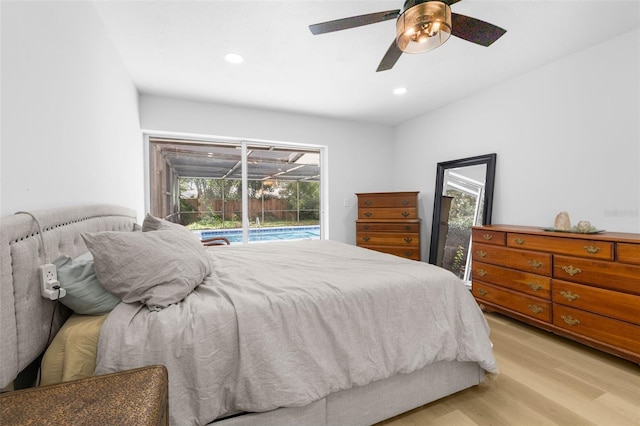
<point x="85" y="295"/>
<point x="152" y="223"/>
<point x="156" y="268"/>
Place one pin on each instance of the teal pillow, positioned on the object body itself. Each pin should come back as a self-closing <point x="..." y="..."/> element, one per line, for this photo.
<point x="85" y="295"/>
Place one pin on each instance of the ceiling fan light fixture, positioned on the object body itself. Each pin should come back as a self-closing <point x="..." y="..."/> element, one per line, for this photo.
<point x="423" y="27"/>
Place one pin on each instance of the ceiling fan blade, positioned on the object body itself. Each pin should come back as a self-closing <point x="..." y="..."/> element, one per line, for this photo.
<point x="390" y="58"/>
<point x="475" y="30"/>
<point x="353" y="22"/>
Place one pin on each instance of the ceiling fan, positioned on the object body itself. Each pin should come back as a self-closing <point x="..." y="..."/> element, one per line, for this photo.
<point x="421" y="25"/>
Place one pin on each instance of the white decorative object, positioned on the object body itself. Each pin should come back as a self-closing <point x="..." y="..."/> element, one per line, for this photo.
<point x="584" y="226"/>
<point x="562" y="222"/>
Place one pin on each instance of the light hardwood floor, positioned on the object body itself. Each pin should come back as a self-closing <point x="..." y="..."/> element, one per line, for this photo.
<point x="544" y="380"/>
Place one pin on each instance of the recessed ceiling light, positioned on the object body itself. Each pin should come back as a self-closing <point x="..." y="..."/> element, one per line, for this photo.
<point x="233" y="58"/>
<point x="400" y="91"/>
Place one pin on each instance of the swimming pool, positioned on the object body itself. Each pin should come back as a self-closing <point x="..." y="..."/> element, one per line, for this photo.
<point x="267" y="234"/>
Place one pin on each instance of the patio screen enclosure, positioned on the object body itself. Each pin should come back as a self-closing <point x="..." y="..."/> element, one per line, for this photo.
<point x="199" y="184"/>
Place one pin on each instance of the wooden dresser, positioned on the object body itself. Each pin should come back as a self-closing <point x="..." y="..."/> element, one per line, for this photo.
<point x="582" y="286"/>
<point x="388" y="222"/>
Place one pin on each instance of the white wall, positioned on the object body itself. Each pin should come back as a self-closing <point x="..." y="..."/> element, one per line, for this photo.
<point x="70" y="131"/>
<point x="360" y="155"/>
<point x="567" y="137"/>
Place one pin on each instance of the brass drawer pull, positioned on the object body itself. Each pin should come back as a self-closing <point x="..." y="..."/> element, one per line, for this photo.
<point x="405" y="214"/>
<point x="534" y="286"/>
<point x="366" y="238"/>
<point x="592" y="249"/>
<point x="535" y="264"/>
<point x="408" y="253"/>
<point x="368" y="203"/>
<point x="368" y="214"/>
<point x="570" y="320"/>
<point x="481" y="253"/>
<point x="535" y="309"/>
<point x="487" y="236"/>
<point x="569" y="295"/>
<point x="482" y="292"/>
<point x="571" y="270"/>
<point x="519" y="241"/>
<point x="404" y="202"/>
<point x="407" y="228"/>
<point x="408" y="240"/>
<point x="366" y="227"/>
<point x="482" y="272"/>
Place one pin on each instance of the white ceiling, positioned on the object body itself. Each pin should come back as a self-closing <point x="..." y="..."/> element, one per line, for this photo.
<point x="177" y="49"/>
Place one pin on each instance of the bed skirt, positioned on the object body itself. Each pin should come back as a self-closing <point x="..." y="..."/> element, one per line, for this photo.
<point x="372" y="403"/>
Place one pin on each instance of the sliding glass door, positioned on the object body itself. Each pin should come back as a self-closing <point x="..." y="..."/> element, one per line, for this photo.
<point x="240" y="190"/>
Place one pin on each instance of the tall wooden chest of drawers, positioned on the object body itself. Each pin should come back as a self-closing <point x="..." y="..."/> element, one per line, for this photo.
<point x="582" y="286"/>
<point x="389" y="222"/>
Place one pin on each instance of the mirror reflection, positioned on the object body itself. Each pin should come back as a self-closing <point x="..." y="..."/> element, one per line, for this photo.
<point x="464" y="195"/>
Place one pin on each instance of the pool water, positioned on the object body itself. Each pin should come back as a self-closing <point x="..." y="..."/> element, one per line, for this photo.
<point x="267" y="234"/>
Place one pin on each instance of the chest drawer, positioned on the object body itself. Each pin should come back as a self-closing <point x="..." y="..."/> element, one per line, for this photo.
<point x="536" y="285"/>
<point x="406" y="227"/>
<point x="602" y="329"/>
<point x="582" y="248"/>
<point x="485" y="236"/>
<point x="610" y="275"/>
<point x="629" y="253"/>
<point x="612" y="304"/>
<point x="410" y="252"/>
<point x="527" y="305"/>
<point x="388" y="213"/>
<point x="524" y="260"/>
<point x="378" y="200"/>
<point x="387" y="238"/>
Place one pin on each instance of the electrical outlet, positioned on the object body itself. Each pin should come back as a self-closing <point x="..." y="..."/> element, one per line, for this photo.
<point x="50" y="287"/>
<point x="48" y="273"/>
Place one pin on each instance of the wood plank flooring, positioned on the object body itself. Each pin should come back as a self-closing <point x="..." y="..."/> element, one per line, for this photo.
<point x="544" y="380"/>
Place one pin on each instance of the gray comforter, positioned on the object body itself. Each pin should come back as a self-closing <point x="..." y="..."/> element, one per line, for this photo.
<point x="285" y="324"/>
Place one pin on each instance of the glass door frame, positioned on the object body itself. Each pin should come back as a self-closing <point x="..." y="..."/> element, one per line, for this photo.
<point x="243" y="144"/>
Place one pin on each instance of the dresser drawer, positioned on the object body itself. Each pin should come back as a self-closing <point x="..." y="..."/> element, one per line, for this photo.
<point x="610" y="275"/>
<point x="574" y="247"/>
<point x="411" y="252"/>
<point x="405" y="227"/>
<point x="612" y="304"/>
<point x="613" y="332"/>
<point x="388" y="238"/>
<point x="388" y="213"/>
<point x="488" y="237"/>
<point x="534" y="307"/>
<point x="397" y="199"/>
<point x="524" y="260"/>
<point x="629" y="253"/>
<point x="536" y="285"/>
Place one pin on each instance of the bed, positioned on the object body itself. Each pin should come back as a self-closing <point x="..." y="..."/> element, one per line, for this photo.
<point x="307" y="332"/>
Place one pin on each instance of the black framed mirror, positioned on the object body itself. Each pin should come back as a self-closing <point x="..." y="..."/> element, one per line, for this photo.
<point x="463" y="198"/>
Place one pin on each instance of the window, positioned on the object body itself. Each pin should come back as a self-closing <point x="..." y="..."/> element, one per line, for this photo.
<point x="244" y="191"/>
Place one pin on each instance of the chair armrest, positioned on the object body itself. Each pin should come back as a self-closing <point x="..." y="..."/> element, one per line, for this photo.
<point x="215" y="241"/>
<point x="138" y="396"/>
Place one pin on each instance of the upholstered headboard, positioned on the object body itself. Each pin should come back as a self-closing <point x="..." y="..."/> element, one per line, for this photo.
<point x="25" y="316"/>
